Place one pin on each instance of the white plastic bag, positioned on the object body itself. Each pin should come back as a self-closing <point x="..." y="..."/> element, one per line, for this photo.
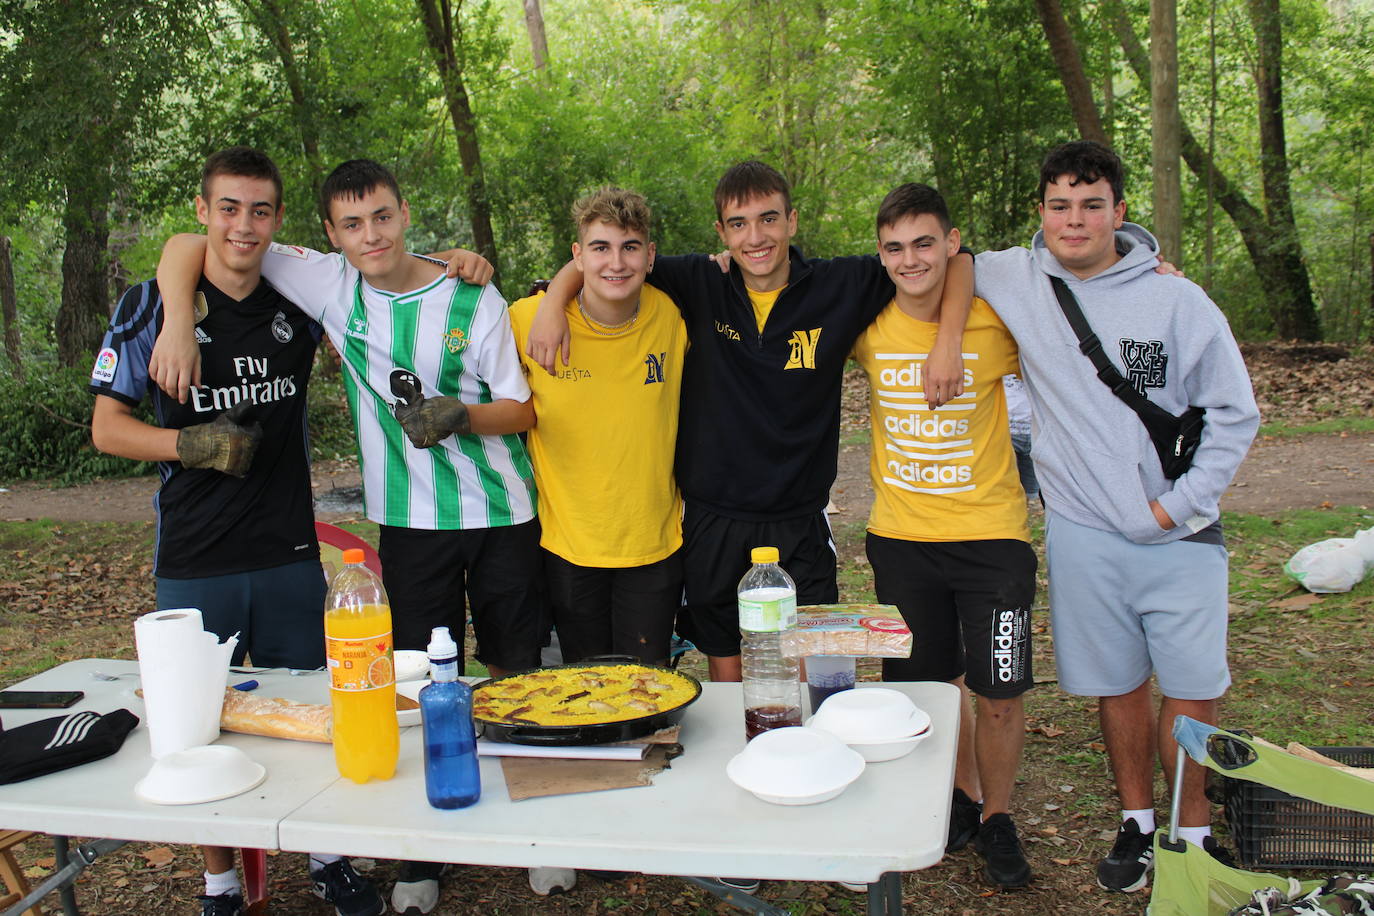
<point x="1333" y="565"/>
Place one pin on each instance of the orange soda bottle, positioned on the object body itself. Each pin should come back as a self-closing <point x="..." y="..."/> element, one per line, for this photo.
<point x="362" y="676"/>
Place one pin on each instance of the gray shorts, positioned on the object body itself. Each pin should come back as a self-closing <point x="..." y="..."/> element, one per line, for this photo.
<point x="1121" y="610"/>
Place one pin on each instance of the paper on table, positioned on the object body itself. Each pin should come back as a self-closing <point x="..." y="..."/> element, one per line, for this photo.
<point x="184" y="672"/>
<point x="487" y="748"/>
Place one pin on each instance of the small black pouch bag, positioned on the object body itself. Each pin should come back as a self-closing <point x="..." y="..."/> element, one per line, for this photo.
<point x="61" y="742"/>
<point x="1175" y="438"/>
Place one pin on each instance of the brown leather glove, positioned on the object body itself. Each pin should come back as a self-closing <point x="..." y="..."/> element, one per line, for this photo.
<point x="427" y="421"/>
<point x="225" y="444"/>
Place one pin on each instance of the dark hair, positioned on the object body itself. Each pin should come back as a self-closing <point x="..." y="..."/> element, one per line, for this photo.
<point x="1083" y="161"/>
<point x="243" y="161"/>
<point x="912" y="199"/>
<point x="355" y="179"/>
<point x="750" y="179"/>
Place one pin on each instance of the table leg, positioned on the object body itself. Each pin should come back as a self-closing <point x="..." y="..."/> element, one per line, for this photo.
<point x="68" y="893"/>
<point x="72" y="865"/>
<point x="885" y="895"/>
<point x="737" y="898"/>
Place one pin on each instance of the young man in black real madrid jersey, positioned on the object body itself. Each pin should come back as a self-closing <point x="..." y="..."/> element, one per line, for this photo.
<point x="236" y="526"/>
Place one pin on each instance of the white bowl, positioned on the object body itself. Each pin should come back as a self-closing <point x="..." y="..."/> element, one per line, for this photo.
<point x="200" y="774"/>
<point x="869" y="714"/>
<point x="795" y="766"/>
<point x="411" y="665"/>
<point x="410" y="689"/>
<point x="881" y="750"/>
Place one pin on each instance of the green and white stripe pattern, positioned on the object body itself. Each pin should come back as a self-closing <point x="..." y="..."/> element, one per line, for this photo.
<point x="457" y="339"/>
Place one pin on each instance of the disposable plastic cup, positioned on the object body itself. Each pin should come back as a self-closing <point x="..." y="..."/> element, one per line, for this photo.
<point x="827" y="675"/>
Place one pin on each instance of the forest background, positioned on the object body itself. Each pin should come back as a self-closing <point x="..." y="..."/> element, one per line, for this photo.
<point x="497" y="114"/>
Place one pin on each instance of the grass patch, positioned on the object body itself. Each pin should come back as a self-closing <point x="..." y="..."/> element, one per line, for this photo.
<point x="1350" y="424"/>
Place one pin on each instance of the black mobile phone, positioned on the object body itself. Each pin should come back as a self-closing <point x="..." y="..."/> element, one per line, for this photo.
<point x="39" y="699"/>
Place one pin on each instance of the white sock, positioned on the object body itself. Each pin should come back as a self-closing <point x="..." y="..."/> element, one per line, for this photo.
<point x="1144" y="818"/>
<point x="319" y="860"/>
<point x="226" y="882"/>
<point x="1194" y="835"/>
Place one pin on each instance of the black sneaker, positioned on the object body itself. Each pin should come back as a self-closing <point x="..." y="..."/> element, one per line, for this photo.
<point x="417" y="888"/>
<point x="1218" y="852"/>
<point x="1004" y="860"/>
<point x="964" y="817"/>
<point x="230" y="904"/>
<point x="1127" y="866"/>
<point x="350" y="892"/>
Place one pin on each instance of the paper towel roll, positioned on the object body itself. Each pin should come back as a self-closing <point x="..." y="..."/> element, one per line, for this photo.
<point x="184" y="671"/>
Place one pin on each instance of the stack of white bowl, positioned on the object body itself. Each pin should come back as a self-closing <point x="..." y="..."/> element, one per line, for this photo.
<point x="815" y="763"/>
<point x="878" y="722"/>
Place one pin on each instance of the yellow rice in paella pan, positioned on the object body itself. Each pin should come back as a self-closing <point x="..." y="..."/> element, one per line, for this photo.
<point x="581" y="695"/>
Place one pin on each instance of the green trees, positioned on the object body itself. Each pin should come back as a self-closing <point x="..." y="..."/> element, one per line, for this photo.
<point x="80" y="91"/>
<point x="496" y="116"/>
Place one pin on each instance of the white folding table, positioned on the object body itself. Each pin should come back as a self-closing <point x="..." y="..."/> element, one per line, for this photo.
<point x="691" y="821"/>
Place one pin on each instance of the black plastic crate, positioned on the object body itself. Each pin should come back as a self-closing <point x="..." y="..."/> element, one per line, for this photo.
<point x="1273" y="829"/>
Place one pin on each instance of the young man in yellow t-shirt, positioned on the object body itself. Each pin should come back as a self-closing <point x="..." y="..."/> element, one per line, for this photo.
<point x="602" y="444"/>
<point x="947" y="537"/>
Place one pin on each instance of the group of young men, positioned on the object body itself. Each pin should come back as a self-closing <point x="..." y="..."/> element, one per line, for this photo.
<point x="673" y="425"/>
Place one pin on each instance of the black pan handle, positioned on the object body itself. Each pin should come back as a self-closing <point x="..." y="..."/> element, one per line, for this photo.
<point x="611" y="659"/>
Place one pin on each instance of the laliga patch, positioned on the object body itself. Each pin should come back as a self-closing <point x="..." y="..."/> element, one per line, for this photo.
<point x="291" y="251"/>
<point x="106" y="361"/>
<point x="281" y="328"/>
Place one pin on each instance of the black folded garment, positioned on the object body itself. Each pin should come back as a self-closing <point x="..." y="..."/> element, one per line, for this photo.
<point x="49" y="745"/>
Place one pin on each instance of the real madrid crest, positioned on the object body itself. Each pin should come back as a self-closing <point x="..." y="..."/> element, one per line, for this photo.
<point x="456" y="340"/>
<point x="281" y="328"/>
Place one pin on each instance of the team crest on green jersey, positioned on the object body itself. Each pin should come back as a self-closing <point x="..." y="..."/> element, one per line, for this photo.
<point x="456" y="340"/>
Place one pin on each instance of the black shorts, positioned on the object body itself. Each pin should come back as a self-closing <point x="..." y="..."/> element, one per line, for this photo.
<point x="715" y="556"/>
<point x="968" y="604"/>
<point x="604" y="611"/>
<point x="430" y="576"/>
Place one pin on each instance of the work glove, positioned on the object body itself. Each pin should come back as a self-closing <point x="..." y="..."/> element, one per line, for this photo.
<point x="224" y="444"/>
<point x="427" y="421"/>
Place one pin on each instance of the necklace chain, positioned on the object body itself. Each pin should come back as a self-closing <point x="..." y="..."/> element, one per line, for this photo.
<point x="606" y="330"/>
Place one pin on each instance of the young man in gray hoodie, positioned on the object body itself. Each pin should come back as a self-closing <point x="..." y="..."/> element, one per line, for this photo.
<point x="1137" y="566"/>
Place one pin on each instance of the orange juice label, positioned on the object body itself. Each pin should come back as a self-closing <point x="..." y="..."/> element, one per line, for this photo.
<point x="359" y="664"/>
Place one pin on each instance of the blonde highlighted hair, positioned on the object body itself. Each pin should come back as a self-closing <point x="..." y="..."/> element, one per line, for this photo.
<point x="627" y="210"/>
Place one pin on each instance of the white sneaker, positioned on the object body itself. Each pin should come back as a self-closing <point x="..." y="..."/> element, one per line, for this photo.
<point x="546" y="881"/>
<point x="417" y="888"/>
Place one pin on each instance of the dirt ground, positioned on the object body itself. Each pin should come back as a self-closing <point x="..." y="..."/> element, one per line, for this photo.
<point x="1280" y="473"/>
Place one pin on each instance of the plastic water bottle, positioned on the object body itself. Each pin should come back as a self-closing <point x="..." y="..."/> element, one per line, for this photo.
<point x="451" y="776"/>
<point x="767" y="614"/>
<point x="362" y="674"/>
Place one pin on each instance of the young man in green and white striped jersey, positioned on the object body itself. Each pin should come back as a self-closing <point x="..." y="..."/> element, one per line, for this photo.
<point x="437" y="396"/>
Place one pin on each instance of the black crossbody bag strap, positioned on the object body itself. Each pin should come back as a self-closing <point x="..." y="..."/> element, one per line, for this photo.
<point x="1092" y="348"/>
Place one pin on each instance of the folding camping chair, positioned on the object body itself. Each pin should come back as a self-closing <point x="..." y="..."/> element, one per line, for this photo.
<point x="1188" y="881"/>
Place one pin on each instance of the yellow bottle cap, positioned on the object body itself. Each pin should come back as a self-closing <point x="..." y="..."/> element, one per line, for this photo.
<point x="763" y="555"/>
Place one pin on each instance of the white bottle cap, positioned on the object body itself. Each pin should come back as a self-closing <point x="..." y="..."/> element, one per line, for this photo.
<point x="441" y="646"/>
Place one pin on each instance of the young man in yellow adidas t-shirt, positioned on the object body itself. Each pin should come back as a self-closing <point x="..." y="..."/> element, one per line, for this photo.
<point x="947" y="536"/>
<point x="602" y="444"/>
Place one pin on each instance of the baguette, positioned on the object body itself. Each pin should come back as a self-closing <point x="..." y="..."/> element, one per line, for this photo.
<point x="273" y="717"/>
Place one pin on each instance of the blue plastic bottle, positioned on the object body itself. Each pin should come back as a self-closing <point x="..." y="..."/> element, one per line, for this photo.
<point x="451" y="776"/>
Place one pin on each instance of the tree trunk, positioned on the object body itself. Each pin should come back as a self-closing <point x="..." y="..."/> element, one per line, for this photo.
<point x="84" y="312"/>
<point x="1261" y="243"/>
<point x="1066" y="57"/>
<point x="1164" y="123"/>
<point x="269" y="18"/>
<point x="1297" y="316"/>
<point x="9" y="305"/>
<point x="440" y="28"/>
<point x="534" y="24"/>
